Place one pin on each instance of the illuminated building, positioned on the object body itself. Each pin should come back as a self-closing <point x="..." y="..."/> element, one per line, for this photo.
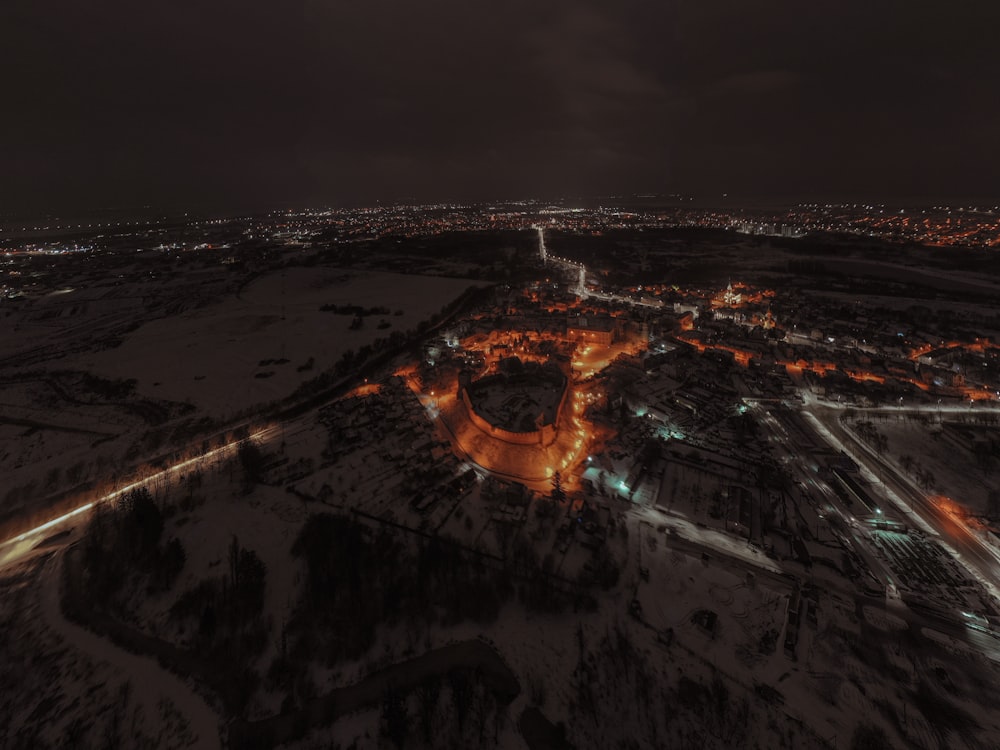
<point x="592" y="330"/>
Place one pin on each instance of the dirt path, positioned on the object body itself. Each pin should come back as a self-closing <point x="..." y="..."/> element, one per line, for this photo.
<point x="151" y="683"/>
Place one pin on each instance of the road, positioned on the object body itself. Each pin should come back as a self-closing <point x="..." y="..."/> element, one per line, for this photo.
<point x="150" y="682"/>
<point x="825" y="421"/>
<point x="840" y="519"/>
<point x="55" y="534"/>
<point x="13" y="549"/>
<point x="283" y="421"/>
<point x="580" y="287"/>
<point x="972" y="551"/>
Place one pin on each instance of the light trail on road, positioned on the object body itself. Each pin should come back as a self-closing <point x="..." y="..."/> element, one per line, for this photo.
<point x="578" y="268"/>
<point x="14" y="548"/>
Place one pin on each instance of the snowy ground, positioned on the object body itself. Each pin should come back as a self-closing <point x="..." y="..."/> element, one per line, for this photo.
<point x="213" y="356"/>
<point x="62" y="686"/>
<point x="690" y="647"/>
<point x="955" y="471"/>
<point x="216" y="357"/>
<point x="851" y="659"/>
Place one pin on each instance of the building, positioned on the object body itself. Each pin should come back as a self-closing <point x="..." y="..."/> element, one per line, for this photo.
<point x="600" y="329"/>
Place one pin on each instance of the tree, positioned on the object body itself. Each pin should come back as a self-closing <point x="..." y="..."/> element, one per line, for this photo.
<point x="984" y="456"/>
<point x="558" y="493"/>
<point x="869" y="737"/>
<point x="170" y="564"/>
<point x="881" y="443"/>
<point x="524" y="557"/>
<point x="461" y="695"/>
<point x="483" y="703"/>
<point x="428" y="693"/>
<point x="252" y="460"/>
<point x="395" y="719"/>
<point x="928" y="479"/>
<point x="140" y="523"/>
<point x="247" y="579"/>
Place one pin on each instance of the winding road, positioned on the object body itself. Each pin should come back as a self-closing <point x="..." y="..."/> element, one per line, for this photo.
<point x="151" y="684"/>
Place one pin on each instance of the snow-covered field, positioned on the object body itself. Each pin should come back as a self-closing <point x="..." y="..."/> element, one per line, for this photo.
<point x="955" y="471"/>
<point x="216" y="357"/>
<point x="61" y="686"/>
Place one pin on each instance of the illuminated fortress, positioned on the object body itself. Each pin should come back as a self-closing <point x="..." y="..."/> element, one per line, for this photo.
<point x="521" y="404"/>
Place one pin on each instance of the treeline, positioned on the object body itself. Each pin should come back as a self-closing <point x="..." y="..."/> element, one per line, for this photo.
<point x="123" y="555"/>
<point x="125" y="540"/>
<point x="359" y="577"/>
<point x="113" y="390"/>
<point x="868" y="432"/>
<point x="458" y="709"/>
<point x="76" y="385"/>
<point x="453" y="696"/>
<point x="223" y="617"/>
<point x="357" y="310"/>
<point x="616" y="684"/>
<point x="808" y="266"/>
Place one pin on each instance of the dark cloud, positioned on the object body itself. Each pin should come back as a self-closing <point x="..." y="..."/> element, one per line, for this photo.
<point x="230" y="103"/>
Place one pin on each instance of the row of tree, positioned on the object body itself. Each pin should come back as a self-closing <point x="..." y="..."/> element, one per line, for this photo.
<point x="925" y="477"/>
<point x="359" y="578"/>
<point x="459" y="708"/>
<point x="124" y="542"/>
<point x="223" y="617"/>
<point x="870" y="434"/>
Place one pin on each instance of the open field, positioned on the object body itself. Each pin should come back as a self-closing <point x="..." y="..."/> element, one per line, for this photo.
<point x="258" y="346"/>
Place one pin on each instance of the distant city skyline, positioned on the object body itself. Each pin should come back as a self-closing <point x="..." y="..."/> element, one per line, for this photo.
<point x="940" y="225"/>
<point x="709" y="201"/>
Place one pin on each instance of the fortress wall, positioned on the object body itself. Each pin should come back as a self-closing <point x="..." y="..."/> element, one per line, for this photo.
<point x="544" y="436"/>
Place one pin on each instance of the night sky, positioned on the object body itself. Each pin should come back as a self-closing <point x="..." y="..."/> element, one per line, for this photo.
<point x="273" y="104"/>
